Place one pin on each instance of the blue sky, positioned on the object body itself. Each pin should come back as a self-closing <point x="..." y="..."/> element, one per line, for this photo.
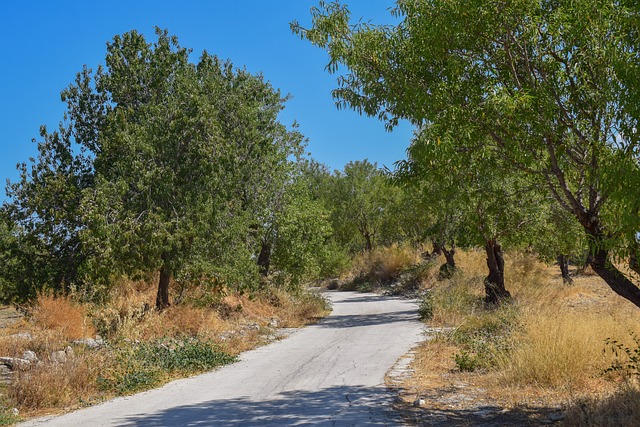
<point x="43" y="44"/>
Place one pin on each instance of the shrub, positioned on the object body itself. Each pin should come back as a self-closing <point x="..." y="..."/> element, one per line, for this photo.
<point x="425" y="309"/>
<point x="626" y="358"/>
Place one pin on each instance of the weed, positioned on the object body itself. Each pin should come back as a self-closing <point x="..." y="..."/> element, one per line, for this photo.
<point x="63" y="315"/>
<point x="425" y="309"/>
<point x="143" y="365"/>
<point x="466" y="361"/>
<point x="626" y="359"/>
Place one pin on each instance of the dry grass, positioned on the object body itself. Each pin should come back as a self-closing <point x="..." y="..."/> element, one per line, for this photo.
<point x="55" y="385"/>
<point x="235" y="322"/>
<point x="383" y="264"/>
<point x="62" y="315"/>
<point x="552" y="354"/>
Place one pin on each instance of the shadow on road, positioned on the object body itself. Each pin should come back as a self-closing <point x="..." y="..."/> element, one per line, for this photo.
<point x="375" y="299"/>
<point x="357" y="320"/>
<point x="332" y="406"/>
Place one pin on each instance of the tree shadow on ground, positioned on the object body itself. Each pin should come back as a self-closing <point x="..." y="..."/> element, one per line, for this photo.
<point x="481" y="416"/>
<point x="339" y="406"/>
<point x="357" y="320"/>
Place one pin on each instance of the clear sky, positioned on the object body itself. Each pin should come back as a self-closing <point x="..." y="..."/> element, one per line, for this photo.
<point x="43" y="44"/>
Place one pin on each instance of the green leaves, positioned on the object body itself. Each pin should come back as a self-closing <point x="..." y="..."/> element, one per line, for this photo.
<point x="162" y="165"/>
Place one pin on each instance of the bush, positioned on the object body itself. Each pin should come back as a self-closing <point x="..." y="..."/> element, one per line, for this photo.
<point x="425" y="310"/>
<point x="466" y="362"/>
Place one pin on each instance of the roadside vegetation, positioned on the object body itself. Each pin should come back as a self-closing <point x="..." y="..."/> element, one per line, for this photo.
<point x="556" y="352"/>
<point x="70" y="354"/>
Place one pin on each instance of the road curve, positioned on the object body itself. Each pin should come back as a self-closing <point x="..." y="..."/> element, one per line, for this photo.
<point x="328" y="374"/>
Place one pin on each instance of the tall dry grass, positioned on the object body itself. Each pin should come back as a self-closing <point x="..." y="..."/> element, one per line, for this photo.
<point x="554" y="346"/>
<point x="383" y="264"/>
<point x="63" y="315"/>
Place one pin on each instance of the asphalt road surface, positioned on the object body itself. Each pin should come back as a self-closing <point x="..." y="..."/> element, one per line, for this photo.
<point x="328" y="374"/>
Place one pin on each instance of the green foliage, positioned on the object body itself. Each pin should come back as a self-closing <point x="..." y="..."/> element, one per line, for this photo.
<point x="7" y="416"/>
<point x="465" y="361"/>
<point x="627" y="360"/>
<point x="144" y="365"/>
<point x="546" y="91"/>
<point x="161" y="165"/>
<point x="485" y="337"/>
<point x="425" y="309"/>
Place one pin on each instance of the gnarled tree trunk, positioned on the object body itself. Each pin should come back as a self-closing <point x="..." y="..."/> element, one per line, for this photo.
<point x="494" y="282"/>
<point x="449" y="255"/>
<point x="601" y="263"/>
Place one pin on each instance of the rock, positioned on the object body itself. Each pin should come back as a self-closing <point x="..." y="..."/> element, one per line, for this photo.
<point x="273" y="323"/>
<point x="22" y="336"/>
<point x="15" y="412"/>
<point x="14" y="363"/>
<point x="89" y="342"/>
<point x="30" y="356"/>
<point x="59" y="356"/>
<point x="69" y="352"/>
<point x="419" y="402"/>
<point x="5" y="373"/>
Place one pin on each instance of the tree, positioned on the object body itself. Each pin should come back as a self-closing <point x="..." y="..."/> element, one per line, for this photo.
<point x="551" y="86"/>
<point x="167" y="165"/>
<point x="484" y="205"/>
<point x="361" y="197"/>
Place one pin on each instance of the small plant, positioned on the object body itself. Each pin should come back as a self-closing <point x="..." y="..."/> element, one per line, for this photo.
<point x="425" y="310"/>
<point x="627" y="359"/>
<point x="466" y="361"/>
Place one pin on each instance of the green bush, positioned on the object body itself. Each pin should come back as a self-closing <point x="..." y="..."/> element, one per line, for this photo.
<point x="466" y="362"/>
<point x="425" y="310"/>
<point x="485" y="337"/>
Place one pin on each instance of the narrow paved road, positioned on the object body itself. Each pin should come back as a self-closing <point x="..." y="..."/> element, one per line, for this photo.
<point x="329" y="374"/>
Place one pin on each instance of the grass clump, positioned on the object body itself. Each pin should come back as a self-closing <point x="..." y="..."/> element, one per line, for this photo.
<point x="147" y="364"/>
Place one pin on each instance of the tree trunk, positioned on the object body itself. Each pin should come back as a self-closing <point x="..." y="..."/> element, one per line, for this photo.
<point x="368" y="242"/>
<point x="437" y="248"/>
<point x="449" y="255"/>
<point x="613" y="277"/>
<point x="494" y="282"/>
<point x="563" y="262"/>
<point x="162" y="299"/>
<point x="264" y="258"/>
<point x="602" y="265"/>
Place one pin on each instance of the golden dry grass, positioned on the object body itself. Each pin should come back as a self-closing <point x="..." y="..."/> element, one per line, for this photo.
<point x="556" y="349"/>
<point x="61" y="314"/>
<point x="56" y="385"/>
<point x="383" y="263"/>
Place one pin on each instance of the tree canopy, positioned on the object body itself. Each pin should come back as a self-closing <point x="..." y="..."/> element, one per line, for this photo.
<point x="548" y="86"/>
